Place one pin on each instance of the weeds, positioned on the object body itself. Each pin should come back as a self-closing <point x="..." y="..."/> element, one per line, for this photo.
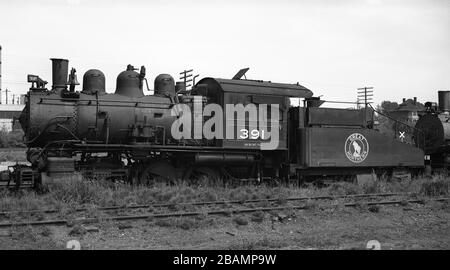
<point x="343" y="188"/>
<point x="374" y="208"/>
<point x="77" y="230"/>
<point x="32" y="239"/>
<point x="311" y="204"/>
<point x="163" y="222"/>
<point x="76" y="191"/>
<point x="46" y="232"/>
<point x="438" y="186"/>
<point x="187" y="223"/>
<point x="240" y="220"/>
<point x="11" y="139"/>
<point x="263" y="243"/>
<point x="371" y="187"/>
<point x="257" y="217"/>
<point x="67" y="194"/>
<point x="24" y="234"/>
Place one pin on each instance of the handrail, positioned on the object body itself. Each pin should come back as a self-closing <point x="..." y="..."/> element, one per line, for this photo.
<point x="421" y="132"/>
<point x="341" y="102"/>
<point x="48" y="125"/>
<point x="105" y="100"/>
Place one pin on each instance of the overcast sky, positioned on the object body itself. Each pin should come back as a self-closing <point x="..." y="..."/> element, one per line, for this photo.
<point x="400" y="47"/>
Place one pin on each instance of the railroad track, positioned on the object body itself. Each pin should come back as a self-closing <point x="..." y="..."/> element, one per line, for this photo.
<point x="143" y="206"/>
<point x="14" y="149"/>
<point x="213" y="211"/>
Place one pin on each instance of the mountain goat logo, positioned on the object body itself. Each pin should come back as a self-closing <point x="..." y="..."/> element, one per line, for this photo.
<point x="356" y="148"/>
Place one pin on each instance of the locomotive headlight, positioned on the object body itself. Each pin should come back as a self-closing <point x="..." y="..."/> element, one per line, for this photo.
<point x="32" y="78"/>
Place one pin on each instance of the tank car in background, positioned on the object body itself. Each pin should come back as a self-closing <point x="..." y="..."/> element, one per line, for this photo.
<point x="129" y="135"/>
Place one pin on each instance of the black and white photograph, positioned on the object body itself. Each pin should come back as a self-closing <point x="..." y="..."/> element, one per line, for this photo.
<point x="253" y="129"/>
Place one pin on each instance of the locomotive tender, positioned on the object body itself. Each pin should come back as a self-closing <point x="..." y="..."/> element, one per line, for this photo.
<point x="128" y="135"/>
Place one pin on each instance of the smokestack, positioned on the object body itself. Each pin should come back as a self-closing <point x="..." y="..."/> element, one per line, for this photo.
<point x="404" y="100"/>
<point x="60" y="68"/>
<point x="444" y="100"/>
<point x="415" y="100"/>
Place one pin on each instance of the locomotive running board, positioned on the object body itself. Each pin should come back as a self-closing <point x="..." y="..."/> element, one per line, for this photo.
<point x="162" y="148"/>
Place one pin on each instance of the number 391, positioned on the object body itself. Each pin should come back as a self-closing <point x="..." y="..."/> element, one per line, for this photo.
<point x="253" y="134"/>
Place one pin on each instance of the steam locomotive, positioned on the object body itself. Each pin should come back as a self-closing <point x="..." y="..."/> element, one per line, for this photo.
<point x="433" y="132"/>
<point x="131" y="136"/>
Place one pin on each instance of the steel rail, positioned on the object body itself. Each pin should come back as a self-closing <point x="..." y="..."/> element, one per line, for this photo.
<point x="187" y="214"/>
<point x="14" y="149"/>
<point x="109" y="208"/>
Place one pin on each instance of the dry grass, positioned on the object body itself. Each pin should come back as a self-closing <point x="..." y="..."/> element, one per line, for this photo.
<point x="12" y="155"/>
<point x="185" y="223"/>
<point x="257" y="217"/>
<point x="70" y="193"/>
<point x="438" y="186"/>
<point x="11" y="139"/>
<point x="241" y="220"/>
<point x="66" y="194"/>
<point x="29" y="238"/>
<point x="257" y="244"/>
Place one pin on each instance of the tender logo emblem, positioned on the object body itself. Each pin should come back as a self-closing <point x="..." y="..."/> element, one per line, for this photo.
<point x="356" y="148"/>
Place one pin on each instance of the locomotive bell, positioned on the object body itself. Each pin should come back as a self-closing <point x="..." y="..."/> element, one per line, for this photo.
<point x="73" y="78"/>
<point x="93" y="82"/>
<point x="164" y="85"/>
<point x="129" y="83"/>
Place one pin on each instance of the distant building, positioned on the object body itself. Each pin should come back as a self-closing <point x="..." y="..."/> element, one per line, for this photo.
<point x="407" y="111"/>
<point x="9" y="112"/>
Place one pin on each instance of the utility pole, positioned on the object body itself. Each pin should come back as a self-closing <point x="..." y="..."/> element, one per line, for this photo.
<point x="6" y="92"/>
<point x="185" y="75"/>
<point x="366" y="94"/>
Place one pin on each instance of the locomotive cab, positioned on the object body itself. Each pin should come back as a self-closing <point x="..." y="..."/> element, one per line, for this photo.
<point x="250" y="109"/>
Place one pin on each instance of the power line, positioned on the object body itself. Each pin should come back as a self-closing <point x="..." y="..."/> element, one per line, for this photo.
<point x="365" y="95"/>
